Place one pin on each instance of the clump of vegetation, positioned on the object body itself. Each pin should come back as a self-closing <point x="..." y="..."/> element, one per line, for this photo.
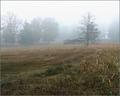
<point x="53" y="70"/>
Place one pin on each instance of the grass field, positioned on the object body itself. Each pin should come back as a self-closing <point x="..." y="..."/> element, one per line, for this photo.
<point x="60" y="70"/>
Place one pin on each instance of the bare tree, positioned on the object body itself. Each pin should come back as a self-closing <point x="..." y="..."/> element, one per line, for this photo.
<point x="88" y="29"/>
<point x="10" y="29"/>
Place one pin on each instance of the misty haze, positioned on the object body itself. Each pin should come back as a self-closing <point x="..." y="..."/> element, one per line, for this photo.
<point x="60" y="48"/>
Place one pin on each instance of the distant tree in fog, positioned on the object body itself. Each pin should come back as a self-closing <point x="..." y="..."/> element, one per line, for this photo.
<point x="49" y="30"/>
<point x="114" y="34"/>
<point x="27" y="35"/>
<point x="9" y="29"/>
<point x="88" y="29"/>
<point x="36" y="27"/>
<point x="39" y="30"/>
<point x="31" y="32"/>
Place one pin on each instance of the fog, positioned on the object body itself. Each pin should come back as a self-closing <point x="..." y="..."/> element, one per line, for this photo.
<point x="65" y="12"/>
<point x="68" y="14"/>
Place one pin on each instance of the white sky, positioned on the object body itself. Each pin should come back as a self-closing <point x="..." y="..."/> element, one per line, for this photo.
<point x="65" y="12"/>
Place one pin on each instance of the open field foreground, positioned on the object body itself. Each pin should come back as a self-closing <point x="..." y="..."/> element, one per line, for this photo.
<point x="60" y="70"/>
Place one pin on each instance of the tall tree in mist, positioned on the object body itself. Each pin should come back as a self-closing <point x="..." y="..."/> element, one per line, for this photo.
<point x="36" y="27"/>
<point x="31" y="32"/>
<point x="88" y="29"/>
<point x="49" y="30"/>
<point x="27" y="35"/>
<point x="10" y="29"/>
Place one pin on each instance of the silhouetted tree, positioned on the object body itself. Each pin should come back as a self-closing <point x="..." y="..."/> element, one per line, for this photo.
<point x="26" y="35"/>
<point x="88" y="29"/>
<point x="31" y="32"/>
<point x="36" y="27"/>
<point x="10" y="29"/>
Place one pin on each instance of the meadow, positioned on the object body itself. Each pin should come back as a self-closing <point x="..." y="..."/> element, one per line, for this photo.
<point x="60" y="70"/>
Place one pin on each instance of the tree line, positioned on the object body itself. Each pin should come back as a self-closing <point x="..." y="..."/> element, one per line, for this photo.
<point x="46" y="30"/>
<point x="29" y="32"/>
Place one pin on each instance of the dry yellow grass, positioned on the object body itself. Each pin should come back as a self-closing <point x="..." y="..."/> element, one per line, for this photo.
<point x="60" y="70"/>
